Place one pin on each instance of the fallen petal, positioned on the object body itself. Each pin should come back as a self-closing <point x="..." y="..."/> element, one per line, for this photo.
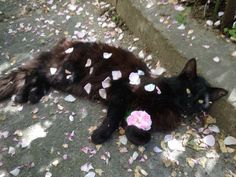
<point x="70" y="98"/>
<point x="134" y="78"/>
<point x="230" y="140"/>
<point x="149" y="87"/>
<point x="123" y="140"/>
<point x="86" y="167"/>
<point x="116" y="75"/>
<point x="15" y="172"/>
<point x="69" y="50"/>
<point x="216" y="59"/>
<point x="90" y="174"/>
<point x="48" y="174"/>
<point x="88" y="63"/>
<point x="53" y="71"/>
<point x="181" y="27"/>
<point x="158" y="71"/>
<point x="156" y="149"/>
<point x="209" y="140"/>
<point x="87" y="88"/>
<point x="11" y="151"/>
<point x="102" y="93"/>
<point x="106" y="83"/>
<point x="107" y="55"/>
<point x="214" y="128"/>
<point x="179" y="7"/>
<point x="174" y="144"/>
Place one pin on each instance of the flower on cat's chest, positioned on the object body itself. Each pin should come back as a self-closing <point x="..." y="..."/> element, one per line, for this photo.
<point x="140" y="119"/>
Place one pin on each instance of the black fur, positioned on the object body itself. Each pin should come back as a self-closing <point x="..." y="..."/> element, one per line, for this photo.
<point x="185" y="94"/>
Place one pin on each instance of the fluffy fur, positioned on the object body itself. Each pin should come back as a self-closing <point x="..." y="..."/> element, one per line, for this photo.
<point x="185" y="94"/>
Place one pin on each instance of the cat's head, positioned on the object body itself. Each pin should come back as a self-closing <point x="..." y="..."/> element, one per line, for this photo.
<point x="194" y="94"/>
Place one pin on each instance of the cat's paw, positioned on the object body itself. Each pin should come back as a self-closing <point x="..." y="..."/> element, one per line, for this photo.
<point x="35" y="95"/>
<point x="19" y="98"/>
<point x="137" y="136"/>
<point x="100" y="135"/>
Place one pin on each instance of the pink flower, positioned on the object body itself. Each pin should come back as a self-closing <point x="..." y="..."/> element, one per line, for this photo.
<point x="140" y="119"/>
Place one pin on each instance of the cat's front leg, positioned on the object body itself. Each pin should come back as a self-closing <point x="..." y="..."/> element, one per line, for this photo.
<point x="109" y="125"/>
<point x="117" y="108"/>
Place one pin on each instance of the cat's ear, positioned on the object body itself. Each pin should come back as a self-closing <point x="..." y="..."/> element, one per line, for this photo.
<point x="190" y="69"/>
<point x="216" y="93"/>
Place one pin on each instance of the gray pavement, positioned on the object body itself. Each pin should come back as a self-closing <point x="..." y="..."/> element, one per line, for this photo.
<point x="51" y="138"/>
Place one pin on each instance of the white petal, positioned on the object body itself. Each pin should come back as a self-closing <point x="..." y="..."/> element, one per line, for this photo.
<point x="4" y="134"/>
<point x="71" y="118"/>
<point x="209" y="140"/>
<point x="168" y="138"/>
<point x="133" y="157"/>
<point x="91" y="70"/>
<point x="158" y="71"/>
<point x="116" y="75"/>
<point x="48" y="174"/>
<point x="141" y="54"/>
<point x="217" y="23"/>
<point x="179" y="7"/>
<point x="209" y="22"/>
<point x="68" y="76"/>
<point x="107" y="55"/>
<point x="141" y="73"/>
<point x="53" y="71"/>
<point x="11" y="151"/>
<point x="87" y="88"/>
<point x="149" y="87"/>
<point x="72" y="7"/>
<point x="220" y="13"/>
<point x="175" y="145"/>
<point x="214" y="128"/>
<point x="88" y="63"/>
<point x="70" y="98"/>
<point x="156" y="149"/>
<point x="216" y="59"/>
<point x="230" y="140"/>
<point x="123" y="140"/>
<point x="69" y="50"/>
<point x="81" y="34"/>
<point x="134" y="78"/>
<point x="106" y="83"/>
<point x="15" y="172"/>
<point x="90" y="174"/>
<point x="86" y="167"/>
<point x="233" y="54"/>
<point x="136" y="39"/>
<point x="102" y="93"/>
<point x="181" y="27"/>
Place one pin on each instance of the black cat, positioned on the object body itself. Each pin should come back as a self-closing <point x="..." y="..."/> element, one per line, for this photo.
<point x="119" y="79"/>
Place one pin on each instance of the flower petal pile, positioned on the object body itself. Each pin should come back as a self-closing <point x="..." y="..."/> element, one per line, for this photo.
<point x="140" y="119"/>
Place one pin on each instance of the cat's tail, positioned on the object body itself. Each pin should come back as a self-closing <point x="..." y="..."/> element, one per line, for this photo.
<point x="137" y="136"/>
<point x="11" y="83"/>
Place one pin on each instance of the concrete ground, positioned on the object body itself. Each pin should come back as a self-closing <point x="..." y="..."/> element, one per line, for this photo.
<point x="51" y="138"/>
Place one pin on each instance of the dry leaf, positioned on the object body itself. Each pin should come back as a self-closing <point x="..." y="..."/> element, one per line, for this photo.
<point x="99" y="171"/>
<point x="190" y="161"/>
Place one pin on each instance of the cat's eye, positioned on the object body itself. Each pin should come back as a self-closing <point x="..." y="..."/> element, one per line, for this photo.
<point x="200" y="101"/>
